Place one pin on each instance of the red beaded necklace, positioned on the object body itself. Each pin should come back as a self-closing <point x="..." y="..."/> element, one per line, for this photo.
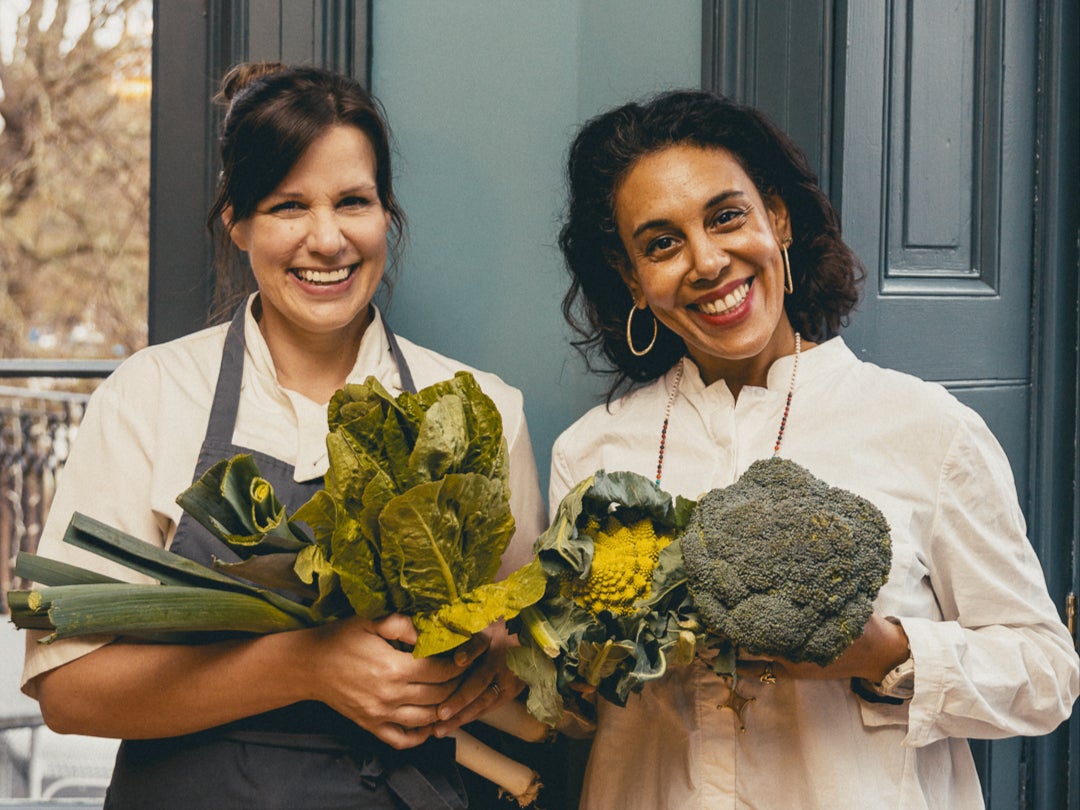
<point x="675" y="391"/>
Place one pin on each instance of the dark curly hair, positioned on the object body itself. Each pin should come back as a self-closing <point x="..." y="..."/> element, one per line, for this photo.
<point x="826" y="273"/>
<point x="275" y="112"/>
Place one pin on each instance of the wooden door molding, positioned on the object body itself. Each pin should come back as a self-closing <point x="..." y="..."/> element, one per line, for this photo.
<point x="1054" y="461"/>
<point x="779" y="55"/>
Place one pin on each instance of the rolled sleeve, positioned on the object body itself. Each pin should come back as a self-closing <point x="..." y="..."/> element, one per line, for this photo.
<point x="1001" y="662"/>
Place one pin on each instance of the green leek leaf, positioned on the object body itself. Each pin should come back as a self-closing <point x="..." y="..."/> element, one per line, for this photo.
<point x="137" y="609"/>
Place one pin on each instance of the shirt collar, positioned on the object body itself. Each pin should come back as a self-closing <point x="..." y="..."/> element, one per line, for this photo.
<point x="812" y="363"/>
<point x="374" y="357"/>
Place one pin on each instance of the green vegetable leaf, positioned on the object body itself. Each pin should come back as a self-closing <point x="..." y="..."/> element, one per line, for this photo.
<point x="277" y="571"/>
<point x="440" y="446"/>
<point x="353" y="466"/>
<point x="560" y="546"/>
<point x="443" y="538"/>
<point x="600" y="660"/>
<point x="240" y="508"/>
<point x="43" y="571"/>
<point x="544" y="702"/>
<point x="454" y="623"/>
<point x="341" y="556"/>
<point x="378" y="436"/>
<point x="485" y="452"/>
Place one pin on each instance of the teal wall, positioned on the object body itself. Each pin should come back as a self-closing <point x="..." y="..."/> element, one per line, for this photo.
<point x="483" y="97"/>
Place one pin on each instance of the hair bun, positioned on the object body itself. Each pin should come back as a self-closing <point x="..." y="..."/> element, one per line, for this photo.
<point x="240" y="76"/>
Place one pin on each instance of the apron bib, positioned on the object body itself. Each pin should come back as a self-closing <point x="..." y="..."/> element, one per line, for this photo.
<point x="301" y="756"/>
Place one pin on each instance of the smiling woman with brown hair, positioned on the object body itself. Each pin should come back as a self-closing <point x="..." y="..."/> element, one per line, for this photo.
<point x="340" y="716"/>
<point x="709" y="275"/>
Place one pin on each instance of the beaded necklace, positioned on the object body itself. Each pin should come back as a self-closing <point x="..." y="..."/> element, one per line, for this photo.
<point x="675" y="391"/>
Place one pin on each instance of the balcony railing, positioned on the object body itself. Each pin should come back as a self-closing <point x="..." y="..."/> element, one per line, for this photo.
<point x="36" y="431"/>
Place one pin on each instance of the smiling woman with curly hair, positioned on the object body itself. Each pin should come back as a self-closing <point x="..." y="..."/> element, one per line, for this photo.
<point x="710" y="281"/>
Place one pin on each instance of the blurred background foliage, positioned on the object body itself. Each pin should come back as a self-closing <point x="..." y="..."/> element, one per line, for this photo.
<point x="74" y="177"/>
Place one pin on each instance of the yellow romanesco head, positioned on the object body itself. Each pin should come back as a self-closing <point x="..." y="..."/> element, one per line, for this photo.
<point x="624" y="558"/>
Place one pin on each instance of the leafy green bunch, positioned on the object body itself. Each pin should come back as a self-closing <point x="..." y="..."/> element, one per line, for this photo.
<point x="414" y="517"/>
<point x="616" y="611"/>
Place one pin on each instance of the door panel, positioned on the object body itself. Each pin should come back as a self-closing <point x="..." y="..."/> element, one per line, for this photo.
<point x="922" y="119"/>
<point x="937" y="186"/>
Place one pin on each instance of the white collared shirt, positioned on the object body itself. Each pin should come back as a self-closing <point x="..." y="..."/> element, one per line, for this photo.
<point x="992" y="658"/>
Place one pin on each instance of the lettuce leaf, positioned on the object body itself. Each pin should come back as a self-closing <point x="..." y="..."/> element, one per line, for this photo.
<point x="454" y="622"/>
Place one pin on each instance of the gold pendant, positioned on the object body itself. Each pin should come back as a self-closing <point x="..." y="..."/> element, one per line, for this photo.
<point x="737" y="703"/>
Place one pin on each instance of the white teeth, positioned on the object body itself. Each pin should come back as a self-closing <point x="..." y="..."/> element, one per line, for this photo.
<point x="728" y="302"/>
<point x="324" y="276"/>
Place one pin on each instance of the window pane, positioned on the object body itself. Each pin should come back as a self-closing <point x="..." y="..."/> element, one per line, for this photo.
<point x="74" y="158"/>
<point x="74" y="271"/>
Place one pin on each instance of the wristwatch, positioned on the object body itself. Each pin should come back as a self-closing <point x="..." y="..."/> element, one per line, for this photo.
<point x="899" y="682"/>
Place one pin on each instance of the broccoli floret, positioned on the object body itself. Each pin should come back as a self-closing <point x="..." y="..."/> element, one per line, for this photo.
<point x="783" y="564"/>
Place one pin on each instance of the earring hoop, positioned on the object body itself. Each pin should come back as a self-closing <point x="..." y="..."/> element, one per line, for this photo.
<point x="630" y="339"/>
<point x="789" y="286"/>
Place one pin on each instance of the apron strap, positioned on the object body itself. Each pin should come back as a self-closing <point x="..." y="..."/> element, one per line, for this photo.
<point x="230" y="373"/>
<point x="418" y="792"/>
<point x="404" y="372"/>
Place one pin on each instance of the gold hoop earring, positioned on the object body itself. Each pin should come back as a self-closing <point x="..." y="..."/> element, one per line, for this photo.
<point x="789" y="285"/>
<point x="630" y="339"/>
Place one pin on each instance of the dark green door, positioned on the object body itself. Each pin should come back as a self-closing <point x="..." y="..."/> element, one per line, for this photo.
<point x="940" y="129"/>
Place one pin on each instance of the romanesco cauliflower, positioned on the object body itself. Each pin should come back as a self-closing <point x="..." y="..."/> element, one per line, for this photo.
<point x="624" y="558"/>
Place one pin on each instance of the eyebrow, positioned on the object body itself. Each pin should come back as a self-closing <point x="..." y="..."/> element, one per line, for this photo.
<point x="719" y="199"/>
<point x="360" y="188"/>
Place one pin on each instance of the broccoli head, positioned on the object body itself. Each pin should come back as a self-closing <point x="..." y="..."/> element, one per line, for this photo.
<point x="783" y="564"/>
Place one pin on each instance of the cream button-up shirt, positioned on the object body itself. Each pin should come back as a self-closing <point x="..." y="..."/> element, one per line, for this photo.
<point x="992" y="658"/>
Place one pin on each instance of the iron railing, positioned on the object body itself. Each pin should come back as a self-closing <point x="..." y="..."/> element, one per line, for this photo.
<point x="36" y="432"/>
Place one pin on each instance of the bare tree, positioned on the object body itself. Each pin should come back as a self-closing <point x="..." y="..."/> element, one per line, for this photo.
<point x="74" y="179"/>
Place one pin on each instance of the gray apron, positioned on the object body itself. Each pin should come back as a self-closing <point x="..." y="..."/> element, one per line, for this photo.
<point x="300" y="756"/>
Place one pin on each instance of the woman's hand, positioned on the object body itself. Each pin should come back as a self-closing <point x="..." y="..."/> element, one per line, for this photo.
<point x="489" y="682"/>
<point x="881" y="647"/>
<point x="361" y="671"/>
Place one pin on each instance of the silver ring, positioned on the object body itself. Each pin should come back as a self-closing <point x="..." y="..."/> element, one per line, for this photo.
<point x="494" y="687"/>
<point x="767" y="675"/>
